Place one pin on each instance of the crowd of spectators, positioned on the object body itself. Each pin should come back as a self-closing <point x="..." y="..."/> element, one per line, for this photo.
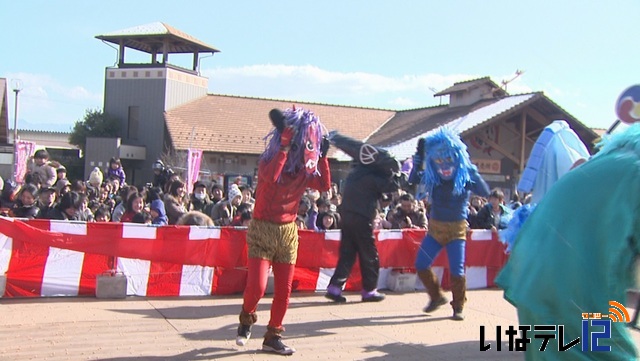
<point x="106" y="197"/>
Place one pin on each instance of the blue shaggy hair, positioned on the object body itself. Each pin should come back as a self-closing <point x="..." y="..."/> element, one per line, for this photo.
<point x="626" y="141"/>
<point x="299" y="119"/>
<point x="445" y="138"/>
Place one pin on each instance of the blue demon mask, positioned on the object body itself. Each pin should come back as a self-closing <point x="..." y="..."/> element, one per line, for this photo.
<point x="445" y="162"/>
<point x="447" y="159"/>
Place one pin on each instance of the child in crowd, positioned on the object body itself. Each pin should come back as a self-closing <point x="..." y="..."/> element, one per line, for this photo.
<point x="158" y="214"/>
<point x="102" y="214"/>
<point x="26" y="206"/>
<point x="142" y="218"/>
<point x="115" y="170"/>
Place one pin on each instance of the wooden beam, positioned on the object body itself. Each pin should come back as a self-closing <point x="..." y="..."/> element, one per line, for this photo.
<point x="518" y="135"/>
<point x="538" y="117"/>
<point x="535" y="131"/>
<point x="499" y="148"/>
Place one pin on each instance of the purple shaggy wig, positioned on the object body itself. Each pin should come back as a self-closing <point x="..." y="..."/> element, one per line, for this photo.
<point x="300" y="119"/>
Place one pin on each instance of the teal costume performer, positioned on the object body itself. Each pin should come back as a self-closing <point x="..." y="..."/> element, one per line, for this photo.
<point x="443" y="171"/>
<point x="575" y="253"/>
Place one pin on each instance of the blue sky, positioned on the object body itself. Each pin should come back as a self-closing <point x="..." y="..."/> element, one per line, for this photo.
<point x="382" y="54"/>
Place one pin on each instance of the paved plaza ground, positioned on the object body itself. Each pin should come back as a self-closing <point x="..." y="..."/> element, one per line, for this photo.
<point x="204" y="329"/>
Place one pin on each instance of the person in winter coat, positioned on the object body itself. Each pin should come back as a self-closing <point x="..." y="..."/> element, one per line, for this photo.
<point x="199" y="199"/>
<point x="26" y="206"/>
<point x="115" y="171"/>
<point x="494" y="214"/>
<point x="67" y="208"/>
<point x="41" y="166"/>
<point x="158" y="214"/>
<point x="173" y="201"/>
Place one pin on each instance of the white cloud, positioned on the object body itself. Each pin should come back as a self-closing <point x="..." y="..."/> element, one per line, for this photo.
<point x="310" y="83"/>
<point x="46" y="103"/>
<point x="403" y="103"/>
<point x="46" y="100"/>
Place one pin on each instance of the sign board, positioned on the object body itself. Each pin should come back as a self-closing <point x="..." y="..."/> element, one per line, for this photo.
<point x="491" y="166"/>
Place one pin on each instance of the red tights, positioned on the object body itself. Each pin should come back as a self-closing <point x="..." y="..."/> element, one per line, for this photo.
<point x="257" y="283"/>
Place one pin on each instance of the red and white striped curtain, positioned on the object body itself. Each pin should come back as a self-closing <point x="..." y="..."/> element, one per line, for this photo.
<point x="62" y="258"/>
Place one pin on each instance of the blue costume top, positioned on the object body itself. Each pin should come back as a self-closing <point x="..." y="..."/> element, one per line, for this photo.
<point x="446" y="206"/>
<point x="443" y="171"/>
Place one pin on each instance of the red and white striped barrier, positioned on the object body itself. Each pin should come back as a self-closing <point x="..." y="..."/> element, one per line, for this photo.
<point x="60" y="258"/>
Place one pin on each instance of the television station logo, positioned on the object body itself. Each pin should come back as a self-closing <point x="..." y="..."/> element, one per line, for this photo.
<point x="595" y="327"/>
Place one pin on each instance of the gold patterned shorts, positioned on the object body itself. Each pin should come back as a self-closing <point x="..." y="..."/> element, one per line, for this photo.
<point x="445" y="232"/>
<point x="274" y="242"/>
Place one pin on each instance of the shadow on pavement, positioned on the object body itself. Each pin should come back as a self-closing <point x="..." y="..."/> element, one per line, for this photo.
<point x="401" y="351"/>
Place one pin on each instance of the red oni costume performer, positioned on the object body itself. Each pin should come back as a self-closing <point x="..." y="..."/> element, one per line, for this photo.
<point x="294" y="160"/>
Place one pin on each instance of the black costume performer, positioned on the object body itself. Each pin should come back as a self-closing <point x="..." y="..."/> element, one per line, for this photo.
<point x="375" y="172"/>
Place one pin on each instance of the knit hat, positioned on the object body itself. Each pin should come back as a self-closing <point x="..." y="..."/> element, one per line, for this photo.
<point x="96" y="177"/>
<point x="234" y="191"/>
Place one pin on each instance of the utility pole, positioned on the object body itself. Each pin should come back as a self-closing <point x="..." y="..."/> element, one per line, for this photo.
<point x="17" y="87"/>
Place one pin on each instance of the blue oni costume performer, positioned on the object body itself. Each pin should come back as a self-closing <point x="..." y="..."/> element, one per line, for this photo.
<point x="374" y="172"/>
<point x="294" y="159"/>
<point x="557" y="150"/>
<point x="442" y="170"/>
<point x="575" y="252"/>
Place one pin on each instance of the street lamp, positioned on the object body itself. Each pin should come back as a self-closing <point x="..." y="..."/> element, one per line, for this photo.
<point x="16" y="84"/>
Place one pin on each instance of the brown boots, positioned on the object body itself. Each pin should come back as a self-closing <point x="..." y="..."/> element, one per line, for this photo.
<point x="458" y="289"/>
<point x="430" y="282"/>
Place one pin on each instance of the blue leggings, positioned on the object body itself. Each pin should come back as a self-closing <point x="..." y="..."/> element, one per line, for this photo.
<point x="429" y="249"/>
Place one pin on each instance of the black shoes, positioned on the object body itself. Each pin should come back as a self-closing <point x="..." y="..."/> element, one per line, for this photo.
<point x="435" y="304"/>
<point x="244" y="334"/>
<point x="335" y="298"/>
<point x="275" y="345"/>
<point x="374" y="296"/>
<point x="334" y="293"/>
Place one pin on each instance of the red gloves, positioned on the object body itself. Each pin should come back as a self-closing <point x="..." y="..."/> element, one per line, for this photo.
<point x="286" y="137"/>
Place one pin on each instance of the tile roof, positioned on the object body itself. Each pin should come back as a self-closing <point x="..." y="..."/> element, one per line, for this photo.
<point x="149" y="37"/>
<point x="410" y="123"/>
<point x="479" y="116"/>
<point x="234" y="124"/>
<point x="464" y="123"/>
